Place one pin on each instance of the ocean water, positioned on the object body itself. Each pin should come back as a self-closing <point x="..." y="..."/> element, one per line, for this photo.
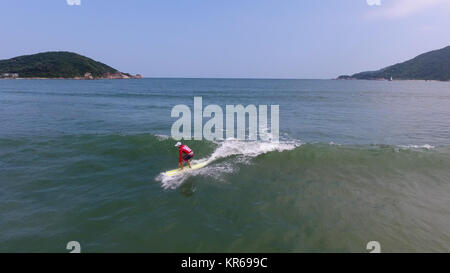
<point x="358" y="161"/>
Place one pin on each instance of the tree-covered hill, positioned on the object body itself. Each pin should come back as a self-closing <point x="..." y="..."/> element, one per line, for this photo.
<point x="433" y="65"/>
<point x="55" y="65"/>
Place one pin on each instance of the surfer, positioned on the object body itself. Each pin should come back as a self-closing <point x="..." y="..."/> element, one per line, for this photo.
<point x="188" y="154"/>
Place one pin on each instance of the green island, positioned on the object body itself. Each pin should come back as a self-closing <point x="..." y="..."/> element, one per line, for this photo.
<point x="433" y="65"/>
<point x="59" y="65"/>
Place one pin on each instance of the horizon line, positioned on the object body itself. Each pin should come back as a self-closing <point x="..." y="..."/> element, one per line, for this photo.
<point x="235" y="78"/>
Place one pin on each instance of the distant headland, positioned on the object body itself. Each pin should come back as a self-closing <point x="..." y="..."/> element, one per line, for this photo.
<point x="433" y="65"/>
<point x="59" y="65"/>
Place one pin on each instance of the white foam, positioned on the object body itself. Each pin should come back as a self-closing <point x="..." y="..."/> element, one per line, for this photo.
<point x="162" y="137"/>
<point x="425" y="146"/>
<point x="231" y="147"/>
<point x="244" y="150"/>
<point x="171" y="182"/>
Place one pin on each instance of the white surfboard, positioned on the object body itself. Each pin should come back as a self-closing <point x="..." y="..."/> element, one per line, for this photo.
<point x="186" y="169"/>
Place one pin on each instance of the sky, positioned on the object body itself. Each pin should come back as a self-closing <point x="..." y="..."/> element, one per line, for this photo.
<point x="229" y="38"/>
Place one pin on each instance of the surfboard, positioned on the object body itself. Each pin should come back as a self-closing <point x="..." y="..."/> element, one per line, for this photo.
<point x="186" y="169"/>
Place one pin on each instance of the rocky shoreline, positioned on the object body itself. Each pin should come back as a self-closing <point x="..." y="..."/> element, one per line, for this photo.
<point x="109" y="76"/>
<point x="87" y="76"/>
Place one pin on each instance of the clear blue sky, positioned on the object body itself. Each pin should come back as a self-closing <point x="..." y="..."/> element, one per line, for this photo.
<point x="229" y="38"/>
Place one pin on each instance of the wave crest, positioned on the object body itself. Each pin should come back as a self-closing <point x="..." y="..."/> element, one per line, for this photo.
<point x="244" y="150"/>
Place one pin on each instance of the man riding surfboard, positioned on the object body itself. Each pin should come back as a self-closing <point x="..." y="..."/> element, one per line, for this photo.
<point x="188" y="154"/>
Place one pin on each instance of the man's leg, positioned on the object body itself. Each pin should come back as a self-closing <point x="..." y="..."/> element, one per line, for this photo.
<point x="189" y="164"/>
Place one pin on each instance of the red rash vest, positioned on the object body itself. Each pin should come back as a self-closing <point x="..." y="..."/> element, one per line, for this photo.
<point x="184" y="149"/>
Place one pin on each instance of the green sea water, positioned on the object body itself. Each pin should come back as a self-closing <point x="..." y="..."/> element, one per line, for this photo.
<point x="358" y="161"/>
